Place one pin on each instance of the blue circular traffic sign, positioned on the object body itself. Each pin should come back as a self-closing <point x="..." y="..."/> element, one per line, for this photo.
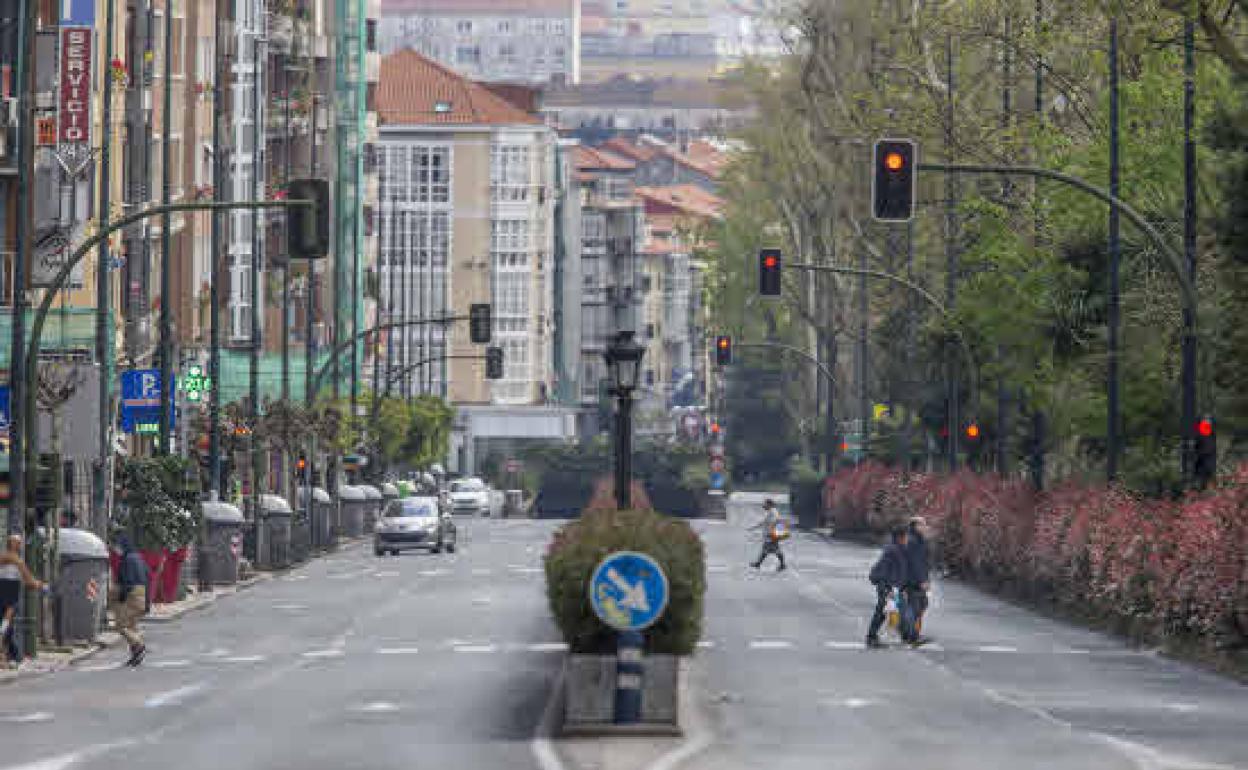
<point x="628" y="591"/>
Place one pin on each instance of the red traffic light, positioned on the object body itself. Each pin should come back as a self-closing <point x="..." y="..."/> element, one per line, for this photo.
<point x="894" y="161"/>
<point x="770" y="261"/>
<point x="1204" y="427"/>
<point x="723" y="343"/>
<point x="301" y="463"/>
<point x="972" y="431"/>
<point x="715" y="428"/>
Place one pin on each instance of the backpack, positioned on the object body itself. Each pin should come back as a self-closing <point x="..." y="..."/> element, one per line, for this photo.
<point x="882" y="570"/>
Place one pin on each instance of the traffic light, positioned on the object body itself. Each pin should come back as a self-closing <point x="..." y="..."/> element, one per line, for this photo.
<point x="893" y="183"/>
<point x="715" y="430"/>
<point x="479" y="323"/>
<point x="307" y="227"/>
<point x="1206" y="451"/>
<point x="723" y="350"/>
<point x="972" y="432"/>
<point x="769" y="264"/>
<point x="494" y="363"/>
<point x="301" y="468"/>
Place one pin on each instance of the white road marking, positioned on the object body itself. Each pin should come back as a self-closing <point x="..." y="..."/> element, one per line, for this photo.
<point x="706" y="644"/>
<point x="548" y="647"/>
<point x="377" y="707"/>
<point x="290" y="607"/>
<point x="481" y="600"/>
<point x="323" y="654"/>
<point x="385" y="574"/>
<point x="293" y="578"/>
<point x="1182" y="708"/>
<point x="397" y="650"/>
<point x="476" y="648"/>
<point x="169" y="664"/>
<point x="432" y="572"/>
<point x="856" y="703"/>
<point x="996" y="648"/>
<point x="174" y="697"/>
<point x="245" y="659"/>
<point x="99" y="667"/>
<point x="219" y="652"/>
<point x="21" y="719"/>
<point x="525" y="570"/>
<point x="770" y="644"/>
<point x="1074" y="651"/>
<point x="541" y="745"/>
<point x="843" y="645"/>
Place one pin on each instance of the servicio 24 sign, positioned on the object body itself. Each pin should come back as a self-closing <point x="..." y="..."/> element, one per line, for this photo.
<point x="74" y="126"/>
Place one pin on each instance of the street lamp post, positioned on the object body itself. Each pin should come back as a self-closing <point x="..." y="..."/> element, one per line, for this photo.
<point x="623" y="358"/>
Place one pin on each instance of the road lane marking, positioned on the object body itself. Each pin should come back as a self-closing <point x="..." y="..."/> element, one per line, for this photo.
<point x="548" y="647"/>
<point x="432" y="572"/>
<point x="21" y="719"/>
<point x="385" y="574"/>
<point x="174" y="697"/>
<point x="706" y="644"/>
<point x="1074" y="651"/>
<point x="245" y="659"/>
<point x="843" y="645"/>
<point x="541" y="745"/>
<point x="323" y="654"/>
<point x="770" y="644"/>
<point x="996" y="648"/>
<point x="100" y="667"/>
<point x="290" y="607"/>
<point x="169" y="664"/>
<point x="481" y="600"/>
<point x="219" y="652"/>
<point x="397" y="650"/>
<point x="377" y="707"/>
<point x="475" y="648"/>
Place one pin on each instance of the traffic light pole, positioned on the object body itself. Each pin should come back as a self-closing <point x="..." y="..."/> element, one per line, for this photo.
<point x="972" y="364"/>
<point x="27" y="406"/>
<point x="332" y="360"/>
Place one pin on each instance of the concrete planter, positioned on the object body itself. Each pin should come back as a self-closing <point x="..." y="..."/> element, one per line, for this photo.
<point x="589" y="696"/>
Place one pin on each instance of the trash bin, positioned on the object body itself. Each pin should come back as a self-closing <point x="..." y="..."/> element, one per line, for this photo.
<point x="372" y="506"/>
<point x="300" y="534"/>
<point x="351" y="501"/>
<point x="224" y="544"/>
<point x="320" y="525"/>
<point x="82" y="590"/>
<point x="275" y="517"/>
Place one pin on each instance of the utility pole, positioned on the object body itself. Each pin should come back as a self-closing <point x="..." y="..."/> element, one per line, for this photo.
<point x="951" y="266"/>
<point x="218" y="195"/>
<point x="309" y="348"/>
<point x="256" y="274"/>
<point x="103" y="285"/>
<point x="285" y="331"/>
<point x="1112" y="438"/>
<point x="1007" y="75"/>
<point x="166" y="240"/>
<point x="27" y="23"/>
<point x="1188" y="432"/>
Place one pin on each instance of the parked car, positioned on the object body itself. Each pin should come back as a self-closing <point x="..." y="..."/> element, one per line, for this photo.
<point x="471" y="495"/>
<point x="414" y="522"/>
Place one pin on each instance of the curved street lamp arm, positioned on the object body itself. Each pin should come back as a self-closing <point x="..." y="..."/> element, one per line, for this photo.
<point x="342" y="347"/>
<point x="794" y="350"/>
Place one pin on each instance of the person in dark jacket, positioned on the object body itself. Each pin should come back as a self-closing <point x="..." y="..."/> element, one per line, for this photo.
<point x="918" y="572"/>
<point x="131" y="598"/>
<point x="889" y="572"/>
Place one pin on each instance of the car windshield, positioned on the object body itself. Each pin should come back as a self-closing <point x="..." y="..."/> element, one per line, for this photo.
<point x="467" y="485"/>
<point x="410" y="508"/>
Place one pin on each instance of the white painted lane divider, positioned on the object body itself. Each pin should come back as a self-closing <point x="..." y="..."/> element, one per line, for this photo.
<point x="475" y="648"/>
<point x="548" y="647"/>
<point x="245" y="659"/>
<point x="377" y="707"/>
<point x="706" y="644"/>
<point x="397" y="650"/>
<point x="323" y="654"/>
<point x="996" y="648"/>
<point x="174" y="697"/>
<point x="22" y="719"/>
<point x="770" y="644"/>
<point x="168" y="664"/>
<point x="844" y="645"/>
<point x="100" y="667"/>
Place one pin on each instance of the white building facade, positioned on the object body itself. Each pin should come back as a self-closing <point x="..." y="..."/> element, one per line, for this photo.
<point x="514" y="41"/>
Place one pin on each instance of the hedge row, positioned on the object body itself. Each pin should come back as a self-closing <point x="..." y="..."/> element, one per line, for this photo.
<point x="1159" y="569"/>
<point x="579" y="546"/>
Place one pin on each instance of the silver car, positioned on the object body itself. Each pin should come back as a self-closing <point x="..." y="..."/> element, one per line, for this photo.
<point x="414" y="522"/>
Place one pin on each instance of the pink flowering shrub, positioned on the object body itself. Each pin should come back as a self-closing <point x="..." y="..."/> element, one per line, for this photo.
<point x="1156" y="566"/>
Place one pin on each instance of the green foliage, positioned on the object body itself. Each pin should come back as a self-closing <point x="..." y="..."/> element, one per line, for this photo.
<point x="160" y="505"/>
<point x="579" y="546"/>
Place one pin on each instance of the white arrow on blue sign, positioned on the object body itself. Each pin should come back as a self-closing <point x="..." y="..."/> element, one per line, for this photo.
<point x="628" y="591"/>
<point x="77" y="13"/>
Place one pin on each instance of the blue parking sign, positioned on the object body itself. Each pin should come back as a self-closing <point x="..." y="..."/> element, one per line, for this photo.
<point x="628" y="591"/>
<point x="140" y="401"/>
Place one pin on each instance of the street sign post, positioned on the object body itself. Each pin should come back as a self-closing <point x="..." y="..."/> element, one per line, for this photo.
<point x="628" y="592"/>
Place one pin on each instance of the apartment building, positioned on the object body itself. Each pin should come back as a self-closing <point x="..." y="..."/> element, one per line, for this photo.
<point x="519" y="41"/>
<point x="466" y="215"/>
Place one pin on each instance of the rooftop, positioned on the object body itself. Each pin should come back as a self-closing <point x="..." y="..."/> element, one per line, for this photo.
<point x="682" y="199"/>
<point x="596" y="159"/>
<point x="414" y="90"/>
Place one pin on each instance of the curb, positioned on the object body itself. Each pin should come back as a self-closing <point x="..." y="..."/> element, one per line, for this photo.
<point x="209" y="598"/>
<point x="655" y="730"/>
<point x="104" y="641"/>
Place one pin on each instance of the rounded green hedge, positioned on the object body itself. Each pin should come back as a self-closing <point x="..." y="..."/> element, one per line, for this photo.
<point x="579" y="546"/>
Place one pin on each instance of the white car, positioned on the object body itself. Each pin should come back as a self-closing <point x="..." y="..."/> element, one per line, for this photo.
<point x="470" y="495"/>
<point x="414" y="522"/>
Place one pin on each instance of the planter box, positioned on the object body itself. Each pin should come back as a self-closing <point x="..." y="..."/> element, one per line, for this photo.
<point x="589" y="693"/>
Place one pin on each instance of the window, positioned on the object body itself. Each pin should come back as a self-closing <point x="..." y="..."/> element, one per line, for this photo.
<point x="429" y="174"/>
<point x="468" y="54"/>
<point x="463" y="27"/>
<point x="507" y="52"/>
<point x="370" y="34"/>
<point x="560" y="56"/>
<point x="509" y="172"/>
<point x="204" y="63"/>
<point x="558" y="27"/>
<point x="593" y="228"/>
<point x="504" y="27"/>
<point x="510" y="243"/>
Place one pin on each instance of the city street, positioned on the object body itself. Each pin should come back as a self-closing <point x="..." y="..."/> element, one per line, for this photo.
<point x="447" y="661"/>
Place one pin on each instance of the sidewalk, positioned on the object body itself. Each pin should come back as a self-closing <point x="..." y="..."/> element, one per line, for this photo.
<point x="52" y="659"/>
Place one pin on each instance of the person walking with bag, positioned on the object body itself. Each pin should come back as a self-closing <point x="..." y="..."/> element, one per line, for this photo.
<point x="918" y="579"/>
<point x="887" y="574"/>
<point x="130" y="598"/>
<point x="775" y="529"/>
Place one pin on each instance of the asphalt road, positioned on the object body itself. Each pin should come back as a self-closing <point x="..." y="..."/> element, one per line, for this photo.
<point x="785" y="682"/>
<point x="348" y="662"/>
<point x="424" y="661"/>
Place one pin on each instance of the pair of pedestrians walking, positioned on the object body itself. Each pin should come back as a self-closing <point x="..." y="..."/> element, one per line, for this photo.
<point x="903" y="570"/>
<point x="13" y="575"/>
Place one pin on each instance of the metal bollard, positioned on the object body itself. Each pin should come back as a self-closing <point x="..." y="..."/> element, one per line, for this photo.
<point x="629" y="670"/>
